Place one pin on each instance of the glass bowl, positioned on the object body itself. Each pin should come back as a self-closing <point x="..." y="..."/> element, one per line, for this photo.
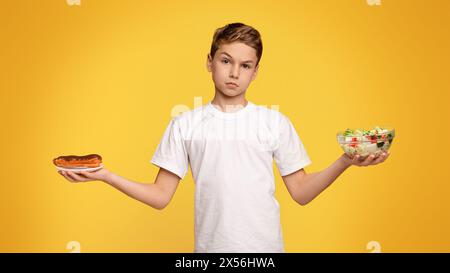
<point x="366" y="142"/>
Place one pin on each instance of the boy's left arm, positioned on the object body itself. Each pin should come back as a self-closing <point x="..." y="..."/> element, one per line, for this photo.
<point x="304" y="187"/>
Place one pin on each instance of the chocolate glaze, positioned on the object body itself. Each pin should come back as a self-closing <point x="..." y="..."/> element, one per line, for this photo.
<point x="78" y="157"/>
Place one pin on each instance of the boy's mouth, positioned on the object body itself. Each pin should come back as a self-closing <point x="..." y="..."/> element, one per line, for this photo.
<point x="232" y="84"/>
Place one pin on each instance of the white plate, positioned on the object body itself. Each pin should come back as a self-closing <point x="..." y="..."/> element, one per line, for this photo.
<point x="76" y="170"/>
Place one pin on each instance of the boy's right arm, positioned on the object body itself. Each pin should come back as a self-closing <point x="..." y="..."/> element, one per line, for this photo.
<point x="156" y="195"/>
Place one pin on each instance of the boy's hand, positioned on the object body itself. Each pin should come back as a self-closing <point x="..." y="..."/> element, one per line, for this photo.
<point x="101" y="175"/>
<point x="370" y="160"/>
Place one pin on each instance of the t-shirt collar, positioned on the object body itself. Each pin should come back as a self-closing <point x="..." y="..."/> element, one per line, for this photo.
<point x="218" y="113"/>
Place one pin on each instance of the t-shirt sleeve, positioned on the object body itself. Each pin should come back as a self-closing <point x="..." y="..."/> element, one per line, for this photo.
<point x="290" y="154"/>
<point x="171" y="152"/>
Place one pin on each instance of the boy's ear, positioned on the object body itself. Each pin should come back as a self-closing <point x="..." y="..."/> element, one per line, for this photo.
<point x="208" y="62"/>
<point x="255" y="72"/>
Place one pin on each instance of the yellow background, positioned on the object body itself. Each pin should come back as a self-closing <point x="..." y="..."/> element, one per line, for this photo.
<point x="103" y="78"/>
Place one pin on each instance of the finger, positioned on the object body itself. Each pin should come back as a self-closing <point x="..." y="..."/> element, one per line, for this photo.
<point x="69" y="175"/>
<point x="379" y="159"/>
<point x="76" y="177"/>
<point x="369" y="160"/>
<point x="63" y="173"/>
<point x="383" y="157"/>
<point x="87" y="175"/>
<point x="360" y="159"/>
<point x="80" y="177"/>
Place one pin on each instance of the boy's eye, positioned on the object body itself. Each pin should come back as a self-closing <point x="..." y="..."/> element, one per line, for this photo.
<point x="225" y="61"/>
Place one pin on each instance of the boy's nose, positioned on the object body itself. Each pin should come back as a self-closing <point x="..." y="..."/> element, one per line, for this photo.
<point x="234" y="73"/>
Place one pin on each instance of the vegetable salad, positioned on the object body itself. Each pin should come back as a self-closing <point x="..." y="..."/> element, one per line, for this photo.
<point x="365" y="142"/>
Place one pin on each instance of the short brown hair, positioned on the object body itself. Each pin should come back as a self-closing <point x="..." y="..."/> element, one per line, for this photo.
<point x="237" y="32"/>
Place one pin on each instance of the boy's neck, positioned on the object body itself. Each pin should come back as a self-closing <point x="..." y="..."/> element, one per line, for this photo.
<point x="229" y="104"/>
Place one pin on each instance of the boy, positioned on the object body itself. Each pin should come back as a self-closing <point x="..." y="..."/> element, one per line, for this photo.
<point x="230" y="144"/>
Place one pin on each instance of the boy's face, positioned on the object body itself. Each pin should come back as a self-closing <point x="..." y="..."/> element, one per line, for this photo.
<point x="233" y="63"/>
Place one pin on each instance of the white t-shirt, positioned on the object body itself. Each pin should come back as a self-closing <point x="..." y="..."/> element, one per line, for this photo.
<point x="231" y="156"/>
